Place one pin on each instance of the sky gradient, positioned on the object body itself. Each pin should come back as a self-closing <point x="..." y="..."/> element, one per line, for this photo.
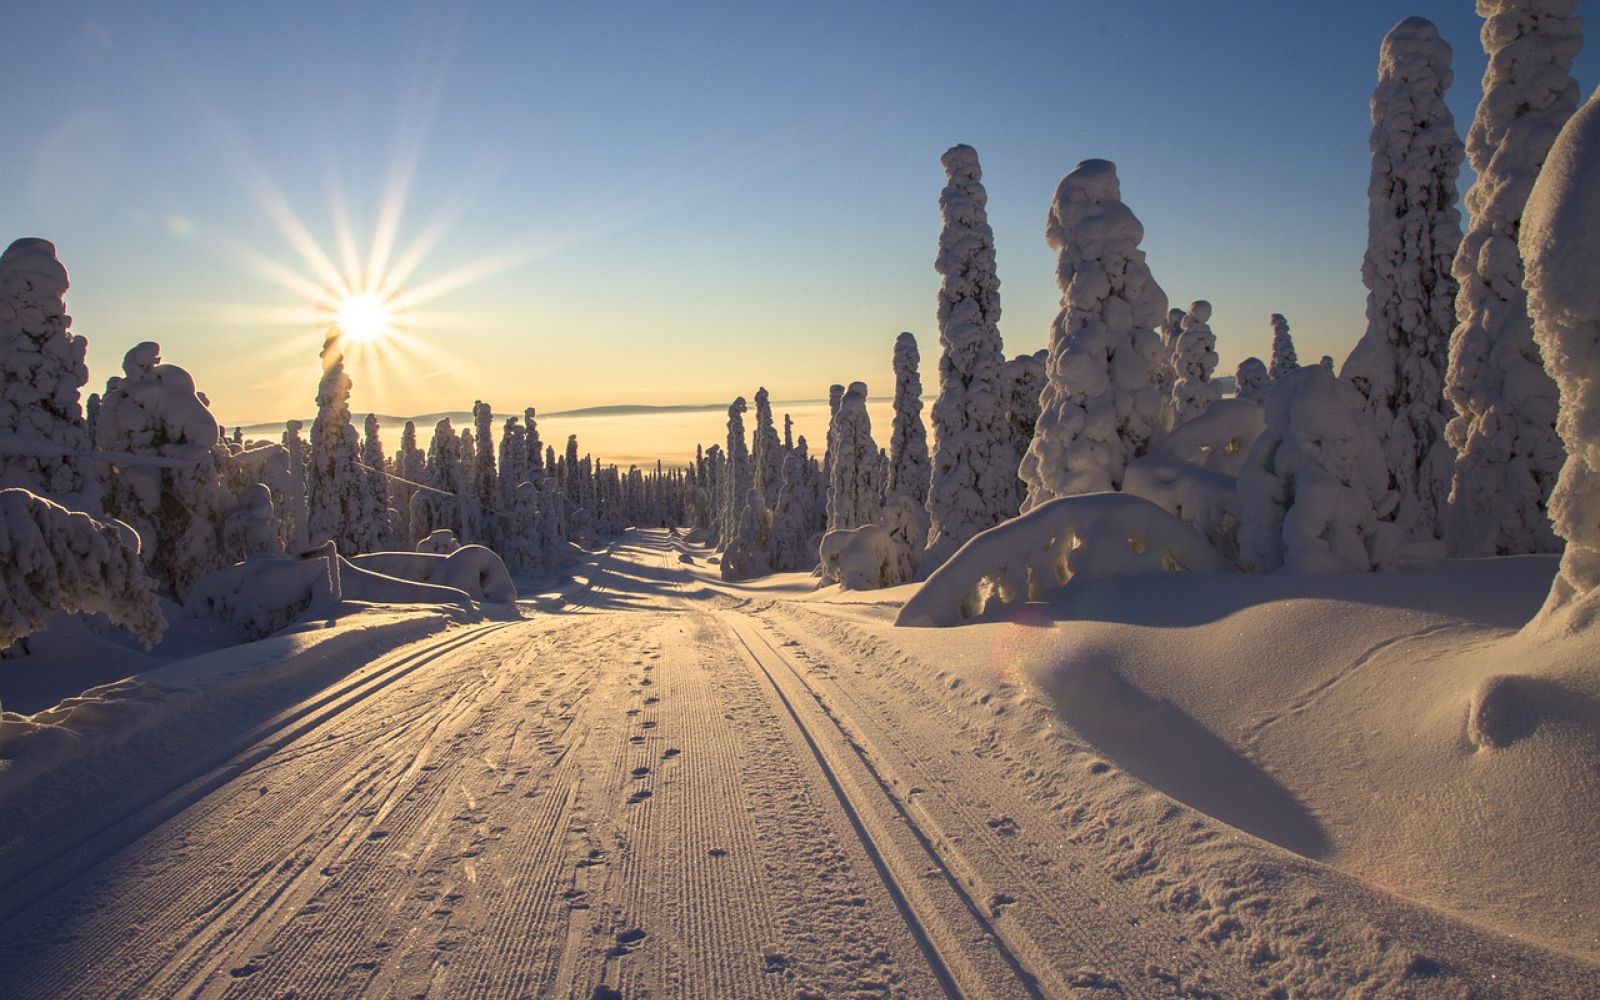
<point x="649" y="203"/>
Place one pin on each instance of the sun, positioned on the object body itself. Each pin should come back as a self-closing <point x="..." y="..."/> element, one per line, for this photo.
<point x="364" y="318"/>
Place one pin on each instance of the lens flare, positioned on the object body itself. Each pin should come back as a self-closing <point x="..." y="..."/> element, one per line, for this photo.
<point x="364" y="318"/>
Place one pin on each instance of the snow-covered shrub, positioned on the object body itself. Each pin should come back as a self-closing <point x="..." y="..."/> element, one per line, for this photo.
<point x="1560" y="244"/>
<point x="1205" y="499"/>
<point x="252" y="527"/>
<point x="745" y="558"/>
<point x="1193" y="361"/>
<point x="440" y="542"/>
<point x="1314" y="490"/>
<point x="1413" y="232"/>
<point x="855" y="489"/>
<point x="1093" y="536"/>
<point x="906" y="521"/>
<point x="1508" y="454"/>
<point x="1284" y="360"/>
<point x="1101" y="405"/>
<point x="360" y="584"/>
<point x="42" y="371"/>
<point x="52" y="558"/>
<point x="471" y="568"/>
<point x="909" y="470"/>
<point x="267" y="593"/>
<point x="1218" y="439"/>
<point x="863" y="558"/>
<point x="165" y="479"/>
<point x="1251" y="379"/>
<point x="972" y="483"/>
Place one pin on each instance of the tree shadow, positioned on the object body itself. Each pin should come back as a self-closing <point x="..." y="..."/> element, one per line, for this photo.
<point x="1161" y="745"/>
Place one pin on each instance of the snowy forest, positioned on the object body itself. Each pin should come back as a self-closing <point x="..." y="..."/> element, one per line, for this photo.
<point x="1459" y="440"/>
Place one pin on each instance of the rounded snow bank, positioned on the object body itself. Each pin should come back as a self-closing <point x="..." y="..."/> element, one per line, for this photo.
<point x="864" y="558"/>
<point x="1560" y="243"/>
<point x="471" y="568"/>
<point x="1095" y="536"/>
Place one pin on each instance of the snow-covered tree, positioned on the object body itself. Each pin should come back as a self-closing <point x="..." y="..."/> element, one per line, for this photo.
<point x="1507" y="451"/>
<point x="1560" y="244"/>
<point x="42" y="371"/>
<point x="1252" y="380"/>
<point x="1284" y="360"/>
<point x="439" y="506"/>
<point x="1193" y="361"/>
<point x="484" y="477"/>
<point x="1413" y="232"/>
<point x="1022" y="382"/>
<point x="971" y="487"/>
<point x="766" y="453"/>
<point x="169" y="486"/>
<point x="375" y="526"/>
<point x="411" y="465"/>
<point x="1171" y="329"/>
<point x="297" y="535"/>
<point x="740" y="477"/>
<point x="855" y="486"/>
<point x="52" y="558"/>
<point x="335" y="480"/>
<point x="537" y="468"/>
<point x="794" y="516"/>
<point x="1314" y="489"/>
<point x="908" y="440"/>
<point x="1101" y="404"/>
<point x="835" y="397"/>
<point x="746" y="555"/>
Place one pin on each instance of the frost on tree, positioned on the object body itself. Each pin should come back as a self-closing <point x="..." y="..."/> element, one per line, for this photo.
<point x="739" y="476"/>
<point x="1560" y="243"/>
<point x="1021" y="384"/>
<point x="1413" y="232"/>
<point x="1193" y="361"/>
<point x="766" y="452"/>
<point x="746" y="555"/>
<point x="376" y="529"/>
<point x="794" y="519"/>
<point x="1314" y="489"/>
<point x="1251" y="379"/>
<point x="908" y="439"/>
<point x="1507" y="451"/>
<point x="855" y="484"/>
<point x="1284" y="360"/>
<point x="972" y="485"/>
<point x="297" y="537"/>
<point x="166" y="481"/>
<point x="335" y="480"/>
<point x="1171" y="328"/>
<point x="42" y="371"/>
<point x="52" y="558"/>
<point x="411" y="465"/>
<point x="484" y="479"/>
<point x="1102" y="403"/>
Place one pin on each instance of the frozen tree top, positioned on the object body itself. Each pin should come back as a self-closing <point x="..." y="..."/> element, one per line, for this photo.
<point x="1413" y="52"/>
<point x="961" y="160"/>
<point x="1088" y="206"/>
<point x="35" y="260"/>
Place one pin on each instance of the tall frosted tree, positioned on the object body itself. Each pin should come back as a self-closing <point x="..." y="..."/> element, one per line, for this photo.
<point x="908" y="439"/>
<point x="1560" y="244"/>
<point x="530" y="429"/>
<point x="411" y="465"/>
<point x="855" y="485"/>
<point x="1021" y="385"/>
<point x="335" y="486"/>
<point x="766" y="452"/>
<point x="42" y="372"/>
<point x="1102" y="403"/>
<point x="971" y="487"/>
<point x="1193" y="361"/>
<point x="739" y="476"/>
<point x="377" y="532"/>
<point x="1413" y="232"/>
<point x="1508" y="454"/>
<point x="297" y="537"/>
<point x="484" y="478"/>
<point x="1284" y="360"/>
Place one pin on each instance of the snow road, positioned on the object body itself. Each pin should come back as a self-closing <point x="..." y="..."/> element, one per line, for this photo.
<point x="663" y="791"/>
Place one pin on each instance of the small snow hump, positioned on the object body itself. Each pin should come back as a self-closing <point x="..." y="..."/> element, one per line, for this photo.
<point x="1499" y="714"/>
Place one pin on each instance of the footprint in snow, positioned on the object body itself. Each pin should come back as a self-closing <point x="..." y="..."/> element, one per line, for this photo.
<point x="670" y="753"/>
<point x="639" y="796"/>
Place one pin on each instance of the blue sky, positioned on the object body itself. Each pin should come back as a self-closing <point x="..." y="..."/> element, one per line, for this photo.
<point x="667" y="203"/>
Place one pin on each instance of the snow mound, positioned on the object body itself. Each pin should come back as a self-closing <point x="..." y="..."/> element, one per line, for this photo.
<point x="477" y="571"/>
<point x="1095" y="536"/>
<point x="1205" y="499"/>
<point x="864" y="558"/>
<point x="52" y="557"/>
<point x="268" y="592"/>
<point x="441" y="542"/>
<point x="1219" y="438"/>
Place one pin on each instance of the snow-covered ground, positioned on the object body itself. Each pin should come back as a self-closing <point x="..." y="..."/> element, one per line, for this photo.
<point x="662" y="784"/>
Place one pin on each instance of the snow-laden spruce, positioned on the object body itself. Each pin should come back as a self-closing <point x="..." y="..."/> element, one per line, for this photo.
<point x="335" y="481"/>
<point x="376" y="524"/>
<point x="1314" y="490"/>
<point x="165" y="480"/>
<point x="1284" y="360"/>
<point x="1170" y="330"/>
<point x="1095" y="536"/>
<point x="42" y="371"/>
<point x="1102" y="403"/>
<point x="484" y="477"/>
<point x="1193" y="361"/>
<point x="908" y="439"/>
<point x="296" y="533"/>
<point x="411" y="465"/>
<point x="1413" y="232"/>
<point x="1503" y="431"/>
<point x="972" y="483"/>
<point x="1251" y="379"/>
<point x="739" y="476"/>
<point x="1022" y="382"/>
<point x="855" y="484"/>
<point x="52" y="558"/>
<point x="1560" y="243"/>
<point x="766" y="452"/>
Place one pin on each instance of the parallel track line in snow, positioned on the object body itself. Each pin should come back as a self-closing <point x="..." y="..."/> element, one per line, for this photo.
<point x="70" y="861"/>
<point x="919" y="932"/>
